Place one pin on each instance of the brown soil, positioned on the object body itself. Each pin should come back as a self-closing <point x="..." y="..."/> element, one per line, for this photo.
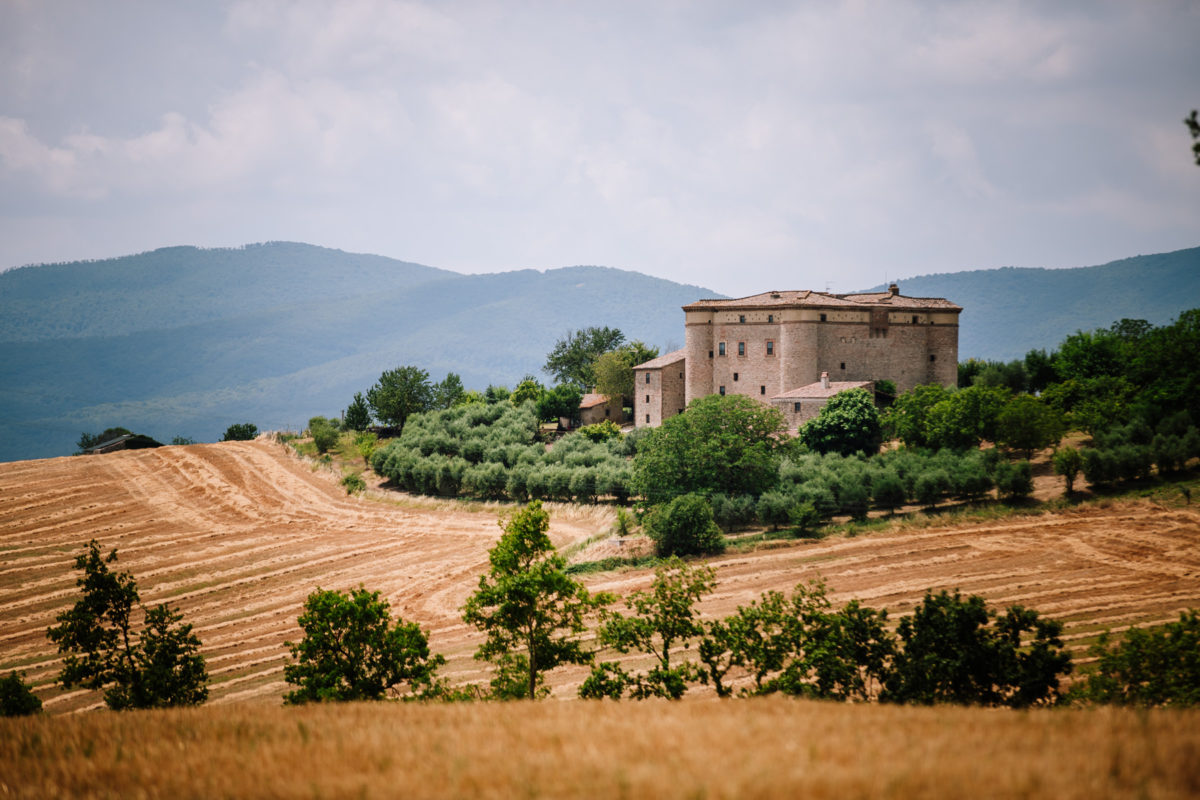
<point x="235" y="535"/>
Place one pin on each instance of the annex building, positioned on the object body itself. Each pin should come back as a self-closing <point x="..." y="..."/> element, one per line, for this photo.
<point x="796" y="349"/>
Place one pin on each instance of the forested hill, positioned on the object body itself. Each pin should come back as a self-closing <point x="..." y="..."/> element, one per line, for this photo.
<point x="185" y="341"/>
<point x="1008" y="312"/>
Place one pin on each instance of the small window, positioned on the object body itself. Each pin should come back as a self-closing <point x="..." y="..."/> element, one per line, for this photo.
<point x="647" y="377"/>
<point x="762" y="390"/>
<point x="722" y="391"/>
<point x="932" y="357"/>
<point x="735" y="377"/>
<point x="606" y="410"/>
<point x="721" y="349"/>
<point x="822" y="318"/>
<point x="647" y="418"/>
<point x="914" y="319"/>
<point x="741" y="348"/>
<point x="770" y="348"/>
<point x="647" y="398"/>
<point x="681" y="374"/>
<point x="796" y="408"/>
<point x="741" y="317"/>
<point x="770" y="317"/>
<point x="843" y="365"/>
<point x="710" y="353"/>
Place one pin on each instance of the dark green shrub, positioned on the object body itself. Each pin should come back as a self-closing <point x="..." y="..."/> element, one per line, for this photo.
<point x="1153" y="667"/>
<point x="353" y="483"/>
<point x="1099" y="467"/>
<point x="1067" y="462"/>
<point x="683" y="527"/>
<point x="583" y="484"/>
<point x="889" y="491"/>
<point x="773" y="508"/>
<point x="16" y="698"/>
<point x="931" y="486"/>
<point x="324" y="433"/>
<point x="854" y="499"/>
<point x="1014" y="480"/>
<point x="1133" y="461"/>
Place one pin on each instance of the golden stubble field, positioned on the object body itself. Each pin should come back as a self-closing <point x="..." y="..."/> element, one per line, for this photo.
<point x="237" y="534"/>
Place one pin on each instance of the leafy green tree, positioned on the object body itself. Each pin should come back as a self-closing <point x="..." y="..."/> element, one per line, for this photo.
<point x="663" y="618"/>
<point x="365" y="445"/>
<point x="906" y="419"/>
<point x="1067" y="462"/>
<point x="729" y="444"/>
<point x="574" y="356"/>
<point x="964" y="418"/>
<point x="560" y="402"/>
<point x="848" y="423"/>
<point x="531" y="611"/>
<point x="959" y="651"/>
<point x="324" y="433"/>
<point x="352" y="650"/>
<point x="684" y="526"/>
<point x="155" y="667"/>
<point x="528" y="389"/>
<point x="240" y="432"/>
<point x="888" y="491"/>
<point x="1028" y="424"/>
<point x="614" y="370"/>
<point x="1157" y="667"/>
<point x="448" y="393"/>
<point x="1014" y="480"/>
<point x="358" y="414"/>
<point x="16" y="698"/>
<point x="399" y="393"/>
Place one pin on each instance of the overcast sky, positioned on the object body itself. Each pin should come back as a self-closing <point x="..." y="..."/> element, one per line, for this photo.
<point x="742" y="146"/>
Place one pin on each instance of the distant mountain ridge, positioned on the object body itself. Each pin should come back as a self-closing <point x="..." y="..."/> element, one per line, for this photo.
<point x="184" y="341"/>
<point x="1009" y="311"/>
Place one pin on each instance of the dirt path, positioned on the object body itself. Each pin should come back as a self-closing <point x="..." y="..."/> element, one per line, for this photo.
<point x="237" y="534"/>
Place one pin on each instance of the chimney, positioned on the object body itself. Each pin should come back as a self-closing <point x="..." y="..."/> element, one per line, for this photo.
<point x="824" y="380"/>
<point x="893" y="290"/>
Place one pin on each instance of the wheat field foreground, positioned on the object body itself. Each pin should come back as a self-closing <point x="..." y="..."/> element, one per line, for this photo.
<point x="772" y="747"/>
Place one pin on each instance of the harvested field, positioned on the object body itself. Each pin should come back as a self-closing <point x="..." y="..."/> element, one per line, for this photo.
<point x="237" y="534"/>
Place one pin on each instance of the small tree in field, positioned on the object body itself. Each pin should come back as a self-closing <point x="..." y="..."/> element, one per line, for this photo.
<point x="684" y="527"/>
<point x="1067" y="462"/>
<point x="399" y="393"/>
<point x="664" y="618"/>
<point x="352" y="651"/>
<point x="530" y="609"/>
<point x="849" y="423"/>
<point x="102" y="649"/>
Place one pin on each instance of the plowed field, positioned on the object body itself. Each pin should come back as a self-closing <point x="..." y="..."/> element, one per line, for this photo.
<point x="235" y="535"/>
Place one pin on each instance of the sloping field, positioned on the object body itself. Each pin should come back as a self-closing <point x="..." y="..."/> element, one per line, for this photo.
<point x="237" y="534"/>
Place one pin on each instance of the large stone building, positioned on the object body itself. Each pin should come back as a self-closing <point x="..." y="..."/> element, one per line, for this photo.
<point x="791" y="348"/>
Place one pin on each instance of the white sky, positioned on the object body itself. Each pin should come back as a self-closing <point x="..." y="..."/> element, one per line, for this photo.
<point x="741" y="146"/>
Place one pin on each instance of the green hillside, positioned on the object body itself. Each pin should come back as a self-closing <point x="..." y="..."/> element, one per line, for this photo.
<point x="1008" y="312"/>
<point x="183" y="341"/>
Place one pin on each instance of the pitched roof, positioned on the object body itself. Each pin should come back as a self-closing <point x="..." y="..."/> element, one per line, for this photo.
<point x="664" y="360"/>
<point x="591" y="400"/>
<point x="815" y="391"/>
<point x="806" y="298"/>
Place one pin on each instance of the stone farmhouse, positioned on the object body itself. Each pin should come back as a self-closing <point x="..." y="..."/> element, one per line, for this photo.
<point x="796" y="349"/>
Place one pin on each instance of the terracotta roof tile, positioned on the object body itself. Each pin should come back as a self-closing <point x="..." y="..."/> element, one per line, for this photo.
<point x="591" y="400"/>
<point x="810" y="299"/>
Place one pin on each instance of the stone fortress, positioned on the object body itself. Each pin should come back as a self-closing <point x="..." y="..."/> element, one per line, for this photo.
<point x="796" y="349"/>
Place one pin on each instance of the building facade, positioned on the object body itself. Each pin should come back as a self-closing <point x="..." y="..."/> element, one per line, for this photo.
<point x="775" y="343"/>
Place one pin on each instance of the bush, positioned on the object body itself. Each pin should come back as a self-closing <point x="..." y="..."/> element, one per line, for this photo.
<point x="848" y="423"/>
<point x="601" y="431"/>
<point x="324" y="433"/>
<point x="240" y="432"/>
<point x="930" y="486"/>
<point x="889" y="492"/>
<point x="353" y="483"/>
<point x="683" y="527"/>
<point x="16" y="698"/>
<point x="1014" y="480"/>
<point x="773" y="508"/>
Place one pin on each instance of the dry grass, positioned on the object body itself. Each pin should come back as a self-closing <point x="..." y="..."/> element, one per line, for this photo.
<point x="742" y="749"/>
